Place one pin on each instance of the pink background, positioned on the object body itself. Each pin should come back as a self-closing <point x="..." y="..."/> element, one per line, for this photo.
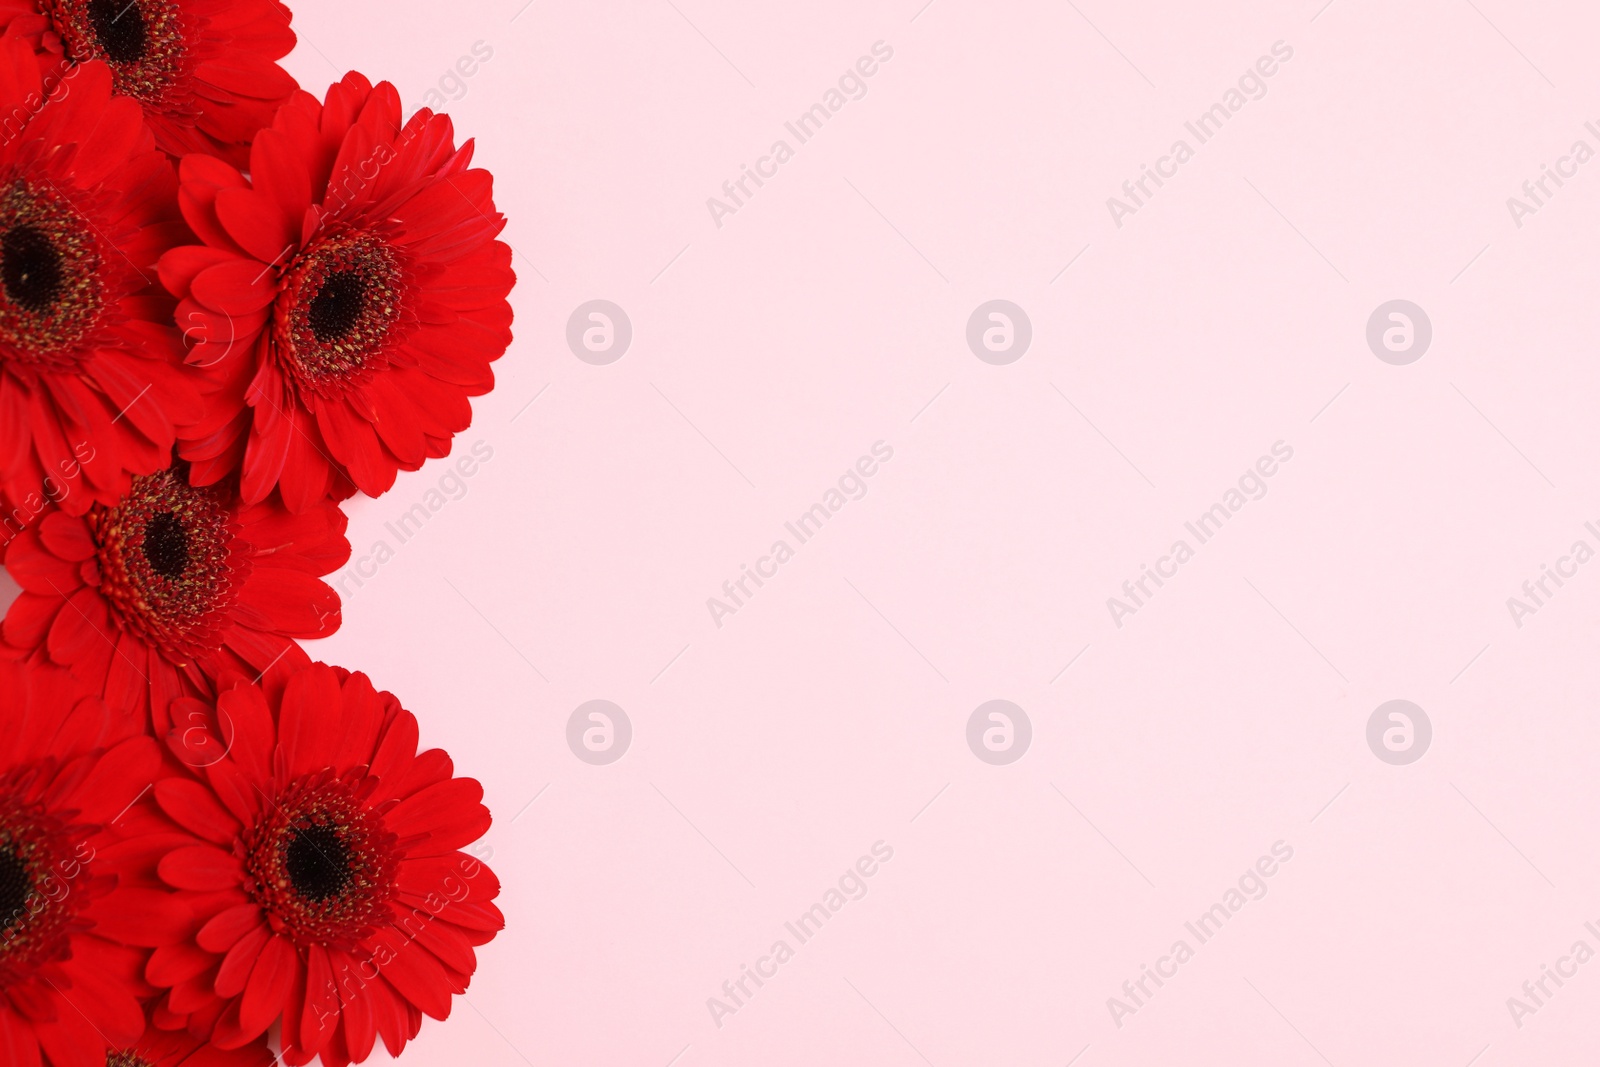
<point x="772" y="352"/>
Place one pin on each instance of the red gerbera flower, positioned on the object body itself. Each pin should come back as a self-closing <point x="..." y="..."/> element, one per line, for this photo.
<point x="78" y="911"/>
<point x="91" y="377"/>
<point x="324" y="876"/>
<point x="165" y="1048"/>
<point x="205" y="71"/>
<point x="174" y="584"/>
<point x="348" y="299"/>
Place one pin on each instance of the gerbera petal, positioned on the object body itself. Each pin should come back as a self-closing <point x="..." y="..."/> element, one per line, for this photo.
<point x="177" y="962"/>
<point x="235" y="286"/>
<point x="30" y="619"/>
<point x="271" y="980"/>
<point x="360" y="1025"/>
<point x="180" y="266"/>
<point x="320" y="1014"/>
<point x="79" y="627"/>
<point x="396" y="750"/>
<point x="258" y="225"/>
<point x="288" y="602"/>
<point x="195" y="807"/>
<point x="66" y="537"/>
<point x="449" y="814"/>
<point x="226" y="928"/>
<point x="39" y="570"/>
<point x="251" y="728"/>
<point x="266" y="450"/>
<point x="415" y="973"/>
<point x="354" y="442"/>
<point x="148" y="917"/>
<point x="278" y="173"/>
<point x="17" y="1042"/>
<point x="308" y="727"/>
<point x="237" y="965"/>
<point x="121" y="776"/>
<point x="393" y="1015"/>
<point x="446" y="942"/>
<point x="363" y="716"/>
<point x="200" y="867"/>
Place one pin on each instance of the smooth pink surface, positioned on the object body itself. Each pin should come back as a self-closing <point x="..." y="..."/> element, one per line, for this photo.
<point x="825" y="715"/>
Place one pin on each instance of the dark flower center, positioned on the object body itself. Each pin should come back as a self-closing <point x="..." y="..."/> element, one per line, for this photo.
<point x="44" y="878"/>
<point x="53" y="279"/>
<point x="119" y="27"/>
<point x="166" y="545"/>
<point x="126" y="1059"/>
<point x="16" y="886"/>
<point x="340" y="305"/>
<point x="320" y="863"/>
<point x="169" y="562"/>
<point x="143" y="41"/>
<point x="30" y="268"/>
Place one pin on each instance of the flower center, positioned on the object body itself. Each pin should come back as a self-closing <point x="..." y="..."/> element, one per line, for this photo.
<point x="320" y="863"/>
<point x="30" y="268"/>
<point x="338" y="311"/>
<point x="118" y="28"/>
<point x="338" y="305"/>
<point x="126" y="1059"/>
<point x="143" y="41"/>
<point x="166" y="546"/>
<point x="43" y="879"/>
<point x="52" y="289"/>
<point x="169" y="562"/>
<point x="16" y="887"/>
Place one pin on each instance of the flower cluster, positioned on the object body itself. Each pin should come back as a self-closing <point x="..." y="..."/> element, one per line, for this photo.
<point x="226" y="305"/>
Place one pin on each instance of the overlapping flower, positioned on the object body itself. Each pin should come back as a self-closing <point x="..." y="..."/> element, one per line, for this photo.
<point x="226" y="306"/>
